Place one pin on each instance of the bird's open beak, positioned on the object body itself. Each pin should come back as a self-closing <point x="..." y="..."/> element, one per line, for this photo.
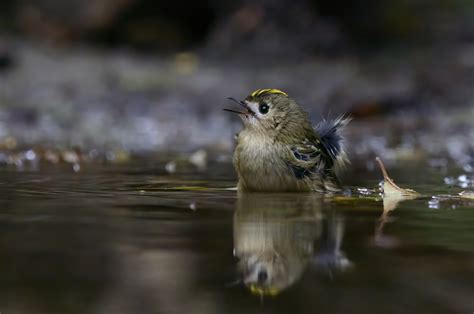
<point x="241" y="103"/>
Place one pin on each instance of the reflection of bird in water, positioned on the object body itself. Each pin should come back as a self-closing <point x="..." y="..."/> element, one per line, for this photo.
<point x="274" y="239"/>
<point x="330" y="258"/>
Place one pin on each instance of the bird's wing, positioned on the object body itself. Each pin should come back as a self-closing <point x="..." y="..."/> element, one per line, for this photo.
<point x="306" y="158"/>
<point x="320" y="155"/>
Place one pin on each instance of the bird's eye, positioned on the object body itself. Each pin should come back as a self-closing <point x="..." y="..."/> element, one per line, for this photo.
<point x="263" y="108"/>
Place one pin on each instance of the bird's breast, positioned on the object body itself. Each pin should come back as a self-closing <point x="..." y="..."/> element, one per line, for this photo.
<point x="261" y="166"/>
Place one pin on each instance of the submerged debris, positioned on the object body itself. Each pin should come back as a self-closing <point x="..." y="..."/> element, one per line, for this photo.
<point x="467" y="194"/>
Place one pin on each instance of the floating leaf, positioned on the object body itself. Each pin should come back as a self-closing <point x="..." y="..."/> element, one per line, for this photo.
<point x="391" y="189"/>
<point x="392" y="195"/>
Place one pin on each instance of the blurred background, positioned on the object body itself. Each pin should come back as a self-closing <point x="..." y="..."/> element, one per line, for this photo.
<point x="139" y="76"/>
<point x="115" y="155"/>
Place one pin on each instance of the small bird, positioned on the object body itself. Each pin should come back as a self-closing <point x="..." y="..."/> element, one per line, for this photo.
<point x="279" y="150"/>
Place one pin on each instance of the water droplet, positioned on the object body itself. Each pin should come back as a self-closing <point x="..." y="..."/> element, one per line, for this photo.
<point x="433" y="203"/>
<point x="76" y="167"/>
<point x="170" y="167"/>
<point x="30" y="155"/>
<point x="199" y="159"/>
<point x="449" y="180"/>
<point x="364" y="191"/>
<point x="462" y="178"/>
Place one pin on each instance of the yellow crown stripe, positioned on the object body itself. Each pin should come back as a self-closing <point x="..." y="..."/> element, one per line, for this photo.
<point x="254" y="94"/>
<point x="260" y="92"/>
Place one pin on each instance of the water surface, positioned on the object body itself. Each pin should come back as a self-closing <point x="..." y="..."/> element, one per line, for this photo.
<point x="133" y="238"/>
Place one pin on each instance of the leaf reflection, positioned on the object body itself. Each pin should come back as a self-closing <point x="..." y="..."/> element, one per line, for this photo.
<point x="392" y="195"/>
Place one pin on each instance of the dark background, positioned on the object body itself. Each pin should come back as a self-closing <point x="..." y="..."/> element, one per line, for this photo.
<point x="143" y="75"/>
<point x="315" y="27"/>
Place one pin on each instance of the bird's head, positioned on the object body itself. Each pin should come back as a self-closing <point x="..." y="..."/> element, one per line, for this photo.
<point x="271" y="112"/>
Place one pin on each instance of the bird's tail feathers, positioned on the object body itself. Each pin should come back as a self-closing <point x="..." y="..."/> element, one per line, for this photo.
<point x="330" y="133"/>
